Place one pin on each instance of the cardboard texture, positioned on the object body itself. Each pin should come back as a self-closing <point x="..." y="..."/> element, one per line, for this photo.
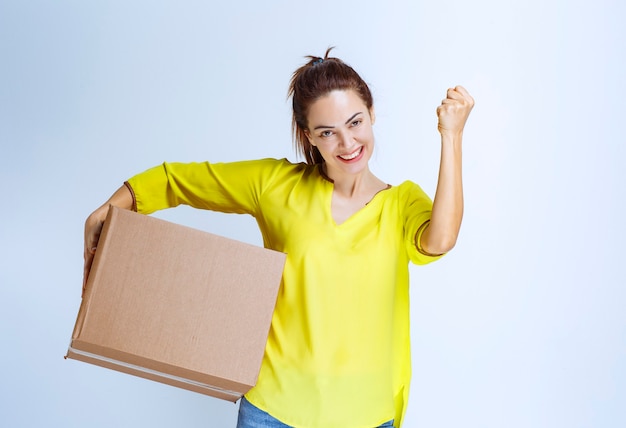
<point x="176" y="305"/>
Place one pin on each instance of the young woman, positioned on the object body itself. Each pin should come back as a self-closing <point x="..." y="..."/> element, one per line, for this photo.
<point x="338" y="349"/>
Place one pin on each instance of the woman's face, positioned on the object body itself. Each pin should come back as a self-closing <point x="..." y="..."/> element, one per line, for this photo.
<point x="340" y="126"/>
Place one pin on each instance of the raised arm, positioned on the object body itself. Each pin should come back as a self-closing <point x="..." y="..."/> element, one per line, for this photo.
<point x="122" y="198"/>
<point x="441" y="234"/>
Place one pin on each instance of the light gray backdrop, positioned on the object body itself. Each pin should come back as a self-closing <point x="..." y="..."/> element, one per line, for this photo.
<point x="522" y="325"/>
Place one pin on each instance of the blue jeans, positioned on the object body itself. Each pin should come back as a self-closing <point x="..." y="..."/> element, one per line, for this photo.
<point x="251" y="416"/>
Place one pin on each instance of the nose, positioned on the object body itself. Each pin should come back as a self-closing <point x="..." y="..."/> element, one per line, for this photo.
<point x="346" y="140"/>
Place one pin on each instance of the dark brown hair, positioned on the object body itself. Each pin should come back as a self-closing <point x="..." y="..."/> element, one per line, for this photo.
<point x="312" y="81"/>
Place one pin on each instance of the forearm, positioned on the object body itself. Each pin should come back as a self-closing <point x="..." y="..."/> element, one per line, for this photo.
<point x="441" y="234"/>
<point x="122" y="198"/>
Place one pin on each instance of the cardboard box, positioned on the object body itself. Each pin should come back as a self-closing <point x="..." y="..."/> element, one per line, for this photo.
<point x="177" y="305"/>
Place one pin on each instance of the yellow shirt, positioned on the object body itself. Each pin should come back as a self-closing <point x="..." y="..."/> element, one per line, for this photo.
<point x="338" y="352"/>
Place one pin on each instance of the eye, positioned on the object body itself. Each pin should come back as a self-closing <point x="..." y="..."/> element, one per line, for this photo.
<point x="325" y="134"/>
<point x="356" y="122"/>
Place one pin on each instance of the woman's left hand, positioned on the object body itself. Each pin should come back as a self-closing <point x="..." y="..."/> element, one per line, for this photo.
<point x="454" y="110"/>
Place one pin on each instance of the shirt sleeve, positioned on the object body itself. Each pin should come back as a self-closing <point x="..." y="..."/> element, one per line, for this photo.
<point x="234" y="187"/>
<point x="417" y="209"/>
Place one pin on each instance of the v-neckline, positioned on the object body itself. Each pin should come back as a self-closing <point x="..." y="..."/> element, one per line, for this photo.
<point x="328" y="204"/>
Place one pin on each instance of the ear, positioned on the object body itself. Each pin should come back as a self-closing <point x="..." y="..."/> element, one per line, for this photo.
<point x="308" y="137"/>
<point x="372" y="115"/>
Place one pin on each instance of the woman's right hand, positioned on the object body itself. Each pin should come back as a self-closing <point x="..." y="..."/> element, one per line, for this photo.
<point x="93" y="227"/>
<point x="122" y="198"/>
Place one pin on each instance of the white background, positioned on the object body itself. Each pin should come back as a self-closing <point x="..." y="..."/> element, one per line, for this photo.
<point x="522" y="325"/>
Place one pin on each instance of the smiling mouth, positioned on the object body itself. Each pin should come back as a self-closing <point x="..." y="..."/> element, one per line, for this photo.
<point x="352" y="155"/>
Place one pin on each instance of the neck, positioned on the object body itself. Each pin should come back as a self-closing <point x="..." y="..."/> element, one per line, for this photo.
<point x="351" y="185"/>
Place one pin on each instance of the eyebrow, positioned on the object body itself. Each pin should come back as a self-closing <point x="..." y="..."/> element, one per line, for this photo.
<point x="347" y="121"/>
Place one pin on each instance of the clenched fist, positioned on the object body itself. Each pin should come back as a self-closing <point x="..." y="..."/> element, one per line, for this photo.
<point x="454" y="110"/>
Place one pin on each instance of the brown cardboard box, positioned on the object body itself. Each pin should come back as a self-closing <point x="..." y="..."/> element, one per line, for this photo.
<point x="177" y="305"/>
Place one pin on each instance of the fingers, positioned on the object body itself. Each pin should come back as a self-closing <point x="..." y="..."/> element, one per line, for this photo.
<point x="93" y="228"/>
<point x="459" y="93"/>
<point x="88" y="255"/>
<point x="461" y="90"/>
<point x="453" y="94"/>
<point x="87" y="269"/>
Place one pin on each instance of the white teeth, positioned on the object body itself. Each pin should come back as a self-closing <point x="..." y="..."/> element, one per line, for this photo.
<point x="353" y="155"/>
